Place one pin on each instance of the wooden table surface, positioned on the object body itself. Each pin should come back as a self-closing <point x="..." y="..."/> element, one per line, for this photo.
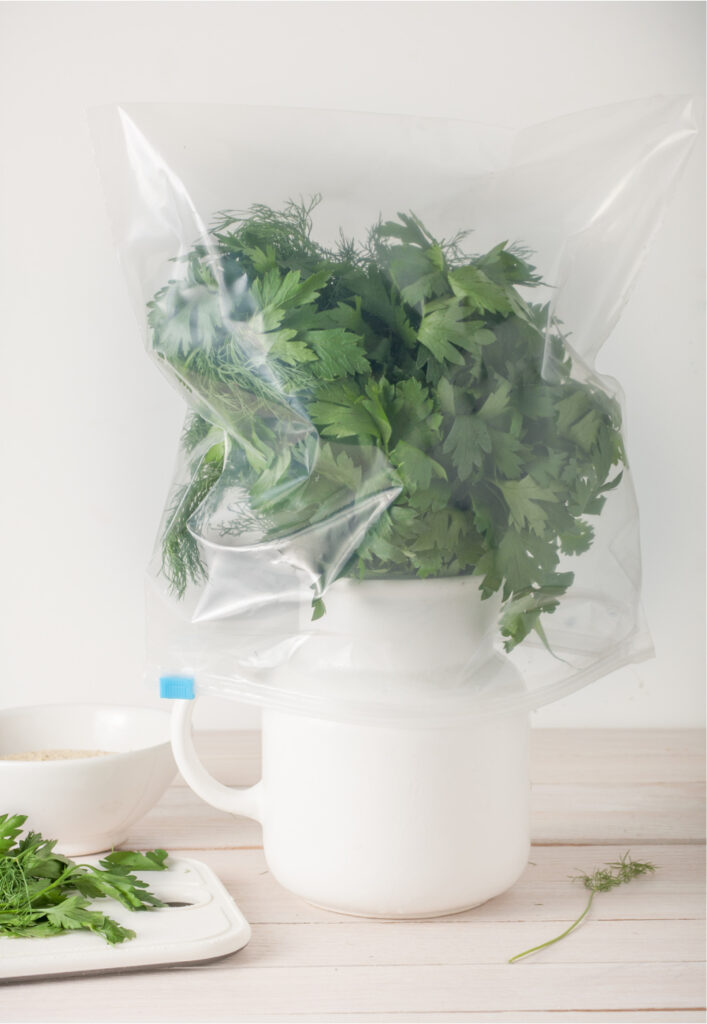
<point x="596" y="794"/>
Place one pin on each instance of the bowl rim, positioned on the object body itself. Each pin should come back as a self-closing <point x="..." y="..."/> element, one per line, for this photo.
<point x="79" y="763"/>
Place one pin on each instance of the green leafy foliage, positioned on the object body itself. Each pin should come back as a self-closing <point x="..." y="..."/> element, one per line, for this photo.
<point x="43" y="893"/>
<point x="603" y="879"/>
<point x="302" y="360"/>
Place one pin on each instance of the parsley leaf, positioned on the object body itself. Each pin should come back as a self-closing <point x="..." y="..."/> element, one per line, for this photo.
<point x="468" y="442"/>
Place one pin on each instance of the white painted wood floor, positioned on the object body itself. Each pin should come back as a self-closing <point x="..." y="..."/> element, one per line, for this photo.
<point x="596" y="794"/>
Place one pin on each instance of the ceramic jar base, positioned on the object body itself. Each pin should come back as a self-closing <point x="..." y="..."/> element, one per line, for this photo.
<point x="392" y="822"/>
<point x="397" y="917"/>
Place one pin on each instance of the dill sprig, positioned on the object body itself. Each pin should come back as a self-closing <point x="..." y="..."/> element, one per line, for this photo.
<point x="181" y="560"/>
<point x="615" y="873"/>
<point x="196" y="429"/>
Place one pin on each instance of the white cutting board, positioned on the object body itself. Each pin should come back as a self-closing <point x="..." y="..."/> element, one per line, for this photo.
<point x="208" y="925"/>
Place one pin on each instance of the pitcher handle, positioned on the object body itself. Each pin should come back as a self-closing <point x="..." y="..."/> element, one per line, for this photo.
<point x="244" y="801"/>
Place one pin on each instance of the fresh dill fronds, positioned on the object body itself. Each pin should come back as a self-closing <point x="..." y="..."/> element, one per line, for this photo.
<point x="287" y="232"/>
<point x="624" y="870"/>
<point x="615" y="873"/>
<point x="181" y="560"/>
<point x="195" y="430"/>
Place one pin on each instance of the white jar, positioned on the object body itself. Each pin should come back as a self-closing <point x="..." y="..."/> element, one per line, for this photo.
<point x="379" y="817"/>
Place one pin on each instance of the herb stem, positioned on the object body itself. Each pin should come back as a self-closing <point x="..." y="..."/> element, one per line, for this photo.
<point x="557" y="938"/>
<point x="549" y="942"/>
<point x="69" y="870"/>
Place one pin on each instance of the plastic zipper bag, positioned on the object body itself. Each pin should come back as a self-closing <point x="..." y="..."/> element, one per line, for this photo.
<point x="402" y="488"/>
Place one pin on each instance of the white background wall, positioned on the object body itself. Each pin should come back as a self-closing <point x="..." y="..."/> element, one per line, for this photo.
<point x="88" y="427"/>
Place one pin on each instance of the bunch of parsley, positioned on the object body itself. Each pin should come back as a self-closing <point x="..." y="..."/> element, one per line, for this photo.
<point x="43" y="893"/>
<point x="322" y="376"/>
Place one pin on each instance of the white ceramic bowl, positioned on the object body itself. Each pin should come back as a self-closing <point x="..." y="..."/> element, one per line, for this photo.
<point x="88" y="804"/>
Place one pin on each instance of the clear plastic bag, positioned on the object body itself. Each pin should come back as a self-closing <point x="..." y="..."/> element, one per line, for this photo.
<point x="402" y="489"/>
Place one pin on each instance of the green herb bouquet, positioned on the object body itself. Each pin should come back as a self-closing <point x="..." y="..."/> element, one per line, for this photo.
<point x="402" y="366"/>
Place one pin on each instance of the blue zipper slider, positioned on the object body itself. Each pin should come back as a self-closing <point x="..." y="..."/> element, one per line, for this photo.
<point x="177" y="687"/>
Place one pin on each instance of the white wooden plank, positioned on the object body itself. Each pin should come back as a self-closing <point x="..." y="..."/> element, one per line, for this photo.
<point x="181" y="819"/>
<point x="232" y="757"/>
<point x="625" y="756"/>
<point x="470" y="942"/>
<point x="486" y="1017"/>
<point x="375" y="990"/>
<point x="227" y="744"/>
<point x="562" y="814"/>
<point x="589" y="786"/>
<point x="575" y="813"/>
<point x="543" y="894"/>
<point x="678" y="864"/>
<point x="600" y="756"/>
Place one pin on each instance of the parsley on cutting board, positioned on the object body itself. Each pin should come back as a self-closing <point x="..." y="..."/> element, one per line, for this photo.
<point x="43" y="893"/>
<point x="320" y="377"/>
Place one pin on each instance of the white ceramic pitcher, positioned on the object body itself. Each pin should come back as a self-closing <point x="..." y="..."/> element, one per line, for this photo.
<point x="379" y="817"/>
